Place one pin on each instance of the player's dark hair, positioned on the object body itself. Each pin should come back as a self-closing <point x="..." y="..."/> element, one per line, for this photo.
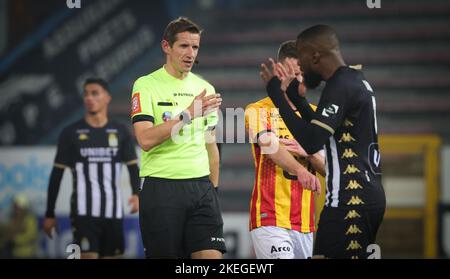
<point x="320" y="34"/>
<point x="287" y="49"/>
<point x="180" y="25"/>
<point x="98" y="81"/>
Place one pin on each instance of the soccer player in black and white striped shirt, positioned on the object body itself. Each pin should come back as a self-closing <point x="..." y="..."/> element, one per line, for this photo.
<point x="94" y="148"/>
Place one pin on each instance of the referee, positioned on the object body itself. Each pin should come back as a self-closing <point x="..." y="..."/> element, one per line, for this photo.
<point x="345" y="124"/>
<point x="180" y="215"/>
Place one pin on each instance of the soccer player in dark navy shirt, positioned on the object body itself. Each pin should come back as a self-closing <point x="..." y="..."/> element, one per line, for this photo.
<point x="345" y="125"/>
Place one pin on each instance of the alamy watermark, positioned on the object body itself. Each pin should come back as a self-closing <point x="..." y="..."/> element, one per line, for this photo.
<point x="375" y="252"/>
<point x="237" y="126"/>
<point x="371" y="4"/>
<point x="74" y="251"/>
<point x="71" y="4"/>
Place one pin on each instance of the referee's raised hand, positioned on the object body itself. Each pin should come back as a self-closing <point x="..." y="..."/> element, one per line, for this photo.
<point x="202" y="104"/>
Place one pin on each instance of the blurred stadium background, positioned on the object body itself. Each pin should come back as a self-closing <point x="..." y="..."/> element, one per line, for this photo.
<point x="47" y="50"/>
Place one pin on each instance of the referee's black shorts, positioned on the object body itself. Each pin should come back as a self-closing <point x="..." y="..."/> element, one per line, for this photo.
<point x="179" y="216"/>
<point x="346" y="233"/>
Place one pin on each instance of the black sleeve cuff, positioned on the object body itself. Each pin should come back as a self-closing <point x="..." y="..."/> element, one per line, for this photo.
<point x="293" y="87"/>
<point x="139" y="118"/>
<point x="299" y="102"/>
<point x="273" y="87"/>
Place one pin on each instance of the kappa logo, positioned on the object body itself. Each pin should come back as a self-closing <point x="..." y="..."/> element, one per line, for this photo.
<point x="354" y="245"/>
<point x="353" y="229"/>
<point x="348" y="153"/>
<point x="332" y="109"/>
<point x="352" y="214"/>
<point x="351" y="169"/>
<point x="355" y="200"/>
<point x="353" y="185"/>
<point x="346" y="137"/>
<point x="279" y="249"/>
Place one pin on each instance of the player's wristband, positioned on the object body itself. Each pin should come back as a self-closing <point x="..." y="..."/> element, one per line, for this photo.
<point x="216" y="189"/>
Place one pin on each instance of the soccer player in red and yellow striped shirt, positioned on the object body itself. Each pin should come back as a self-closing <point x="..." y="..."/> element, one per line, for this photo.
<point x="281" y="209"/>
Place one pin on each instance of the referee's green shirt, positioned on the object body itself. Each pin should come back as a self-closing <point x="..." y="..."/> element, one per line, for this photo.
<point x="159" y="97"/>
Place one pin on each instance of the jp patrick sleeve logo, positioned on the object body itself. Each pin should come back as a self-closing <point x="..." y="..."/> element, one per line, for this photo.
<point x="166" y="116"/>
<point x="136" y="104"/>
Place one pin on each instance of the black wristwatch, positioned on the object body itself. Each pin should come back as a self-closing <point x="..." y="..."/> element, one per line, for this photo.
<point x="185" y="118"/>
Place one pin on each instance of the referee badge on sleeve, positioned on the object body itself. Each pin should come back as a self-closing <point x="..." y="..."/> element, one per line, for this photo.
<point x="136" y="104"/>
